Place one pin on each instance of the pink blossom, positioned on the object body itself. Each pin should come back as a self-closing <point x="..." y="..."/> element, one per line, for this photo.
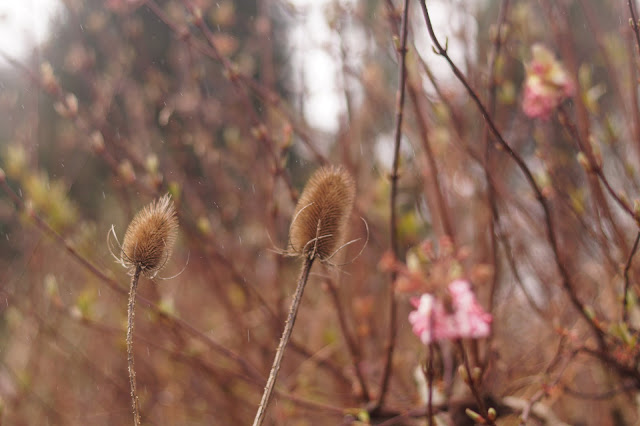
<point x="431" y="321"/>
<point x="546" y="85"/>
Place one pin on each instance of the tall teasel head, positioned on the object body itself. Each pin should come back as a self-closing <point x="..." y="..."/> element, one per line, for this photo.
<point x="150" y="237"/>
<point x="322" y="214"/>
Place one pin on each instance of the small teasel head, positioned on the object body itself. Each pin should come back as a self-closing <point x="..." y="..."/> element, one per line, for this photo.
<point x="150" y="237"/>
<point x="322" y="214"/>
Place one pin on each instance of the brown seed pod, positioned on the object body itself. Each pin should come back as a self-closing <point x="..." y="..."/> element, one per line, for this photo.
<point x="150" y="236"/>
<point x="322" y="213"/>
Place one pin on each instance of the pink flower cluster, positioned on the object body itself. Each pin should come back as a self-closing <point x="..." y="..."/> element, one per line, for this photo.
<point x="547" y="84"/>
<point x="431" y="321"/>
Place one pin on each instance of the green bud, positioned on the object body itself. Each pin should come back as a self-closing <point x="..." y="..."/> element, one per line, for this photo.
<point x="492" y="414"/>
<point x="476" y="373"/>
<point x="463" y="374"/>
<point x="475" y="416"/>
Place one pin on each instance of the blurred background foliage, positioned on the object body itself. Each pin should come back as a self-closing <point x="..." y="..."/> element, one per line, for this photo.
<point x="210" y="101"/>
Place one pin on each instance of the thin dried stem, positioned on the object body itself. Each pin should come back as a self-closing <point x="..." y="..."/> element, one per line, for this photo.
<point x="432" y="173"/>
<point x="473" y="385"/>
<point x="286" y="334"/>
<point x="130" y="363"/>
<point x="544" y="391"/>
<point x="491" y="190"/>
<point x="594" y="166"/>
<point x="354" y="350"/>
<point x="402" y="50"/>
<point x="429" y="373"/>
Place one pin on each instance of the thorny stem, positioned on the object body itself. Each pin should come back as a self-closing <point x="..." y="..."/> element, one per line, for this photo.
<point x="550" y="228"/>
<point x="625" y="295"/>
<point x="386" y="372"/>
<point x="274" y="318"/>
<point x="286" y="334"/>
<point x="132" y="372"/>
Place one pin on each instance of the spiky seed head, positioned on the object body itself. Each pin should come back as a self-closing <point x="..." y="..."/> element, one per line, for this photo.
<point x="150" y="237"/>
<point x="322" y="213"/>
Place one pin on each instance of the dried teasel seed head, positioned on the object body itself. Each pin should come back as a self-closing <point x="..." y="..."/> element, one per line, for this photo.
<point x="322" y="213"/>
<point x="150" y="236"/>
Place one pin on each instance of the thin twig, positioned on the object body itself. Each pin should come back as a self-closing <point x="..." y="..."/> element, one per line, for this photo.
<point x="286" y="334"/>
<point x="130" y="323"/>
<point x="544" y="391"/>
<point x="598" y="396"/>
<point x="624" y="371"/>
<point x="391" y="338"/>
<point x="491" y="191"/>
<point x="594" y="165"/>
<point x="354" y="350"/>
<point x="625" y="295"/>
<point x="432" y="176"/>
<point x="473" y="385"/>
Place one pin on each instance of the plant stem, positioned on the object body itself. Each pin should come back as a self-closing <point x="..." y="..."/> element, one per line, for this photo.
<point x="132" y="372"/>
<point x="473" y="384"/>
<point x="391" y="337"/>
<point x="430" y="385"/>
<point x="625" y="295"/>
<point x="286" y="334"/>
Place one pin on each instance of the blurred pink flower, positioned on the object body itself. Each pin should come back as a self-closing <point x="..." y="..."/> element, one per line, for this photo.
<point x="547" y="84"/>
<point x="431" y="321"/>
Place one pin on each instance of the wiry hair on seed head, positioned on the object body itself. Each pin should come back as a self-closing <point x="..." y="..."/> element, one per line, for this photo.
<point x="150" y="237"/>
<point x="322" y="213"/>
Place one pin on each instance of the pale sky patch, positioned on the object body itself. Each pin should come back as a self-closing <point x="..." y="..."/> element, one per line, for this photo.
<point x="24" y="24"/>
